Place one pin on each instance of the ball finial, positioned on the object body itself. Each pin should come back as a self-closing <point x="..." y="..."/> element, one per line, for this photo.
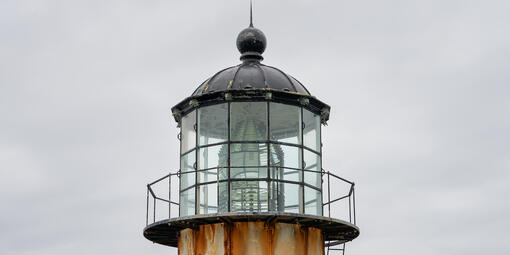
<point x="251" y="42"/>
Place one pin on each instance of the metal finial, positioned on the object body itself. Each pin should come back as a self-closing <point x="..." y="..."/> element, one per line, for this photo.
<point x="251" y="42"/>
<point x="251" y="14"/>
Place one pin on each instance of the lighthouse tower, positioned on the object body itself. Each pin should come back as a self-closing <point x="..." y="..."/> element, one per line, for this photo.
<point x="251" y="179"/>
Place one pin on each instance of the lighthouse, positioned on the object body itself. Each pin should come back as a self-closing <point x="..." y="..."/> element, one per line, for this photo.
<point x="251" y="179"/>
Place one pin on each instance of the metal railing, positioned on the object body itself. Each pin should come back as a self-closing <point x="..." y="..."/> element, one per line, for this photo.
<point x="350" y="196"/>
<point x="331" y="197"/>
<point x="338" y="247"/>
<point x="330" y="200"/>
<point x="156" y="198"/>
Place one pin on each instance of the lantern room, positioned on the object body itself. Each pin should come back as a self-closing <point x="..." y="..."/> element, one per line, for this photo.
<point x="251" y="176"/>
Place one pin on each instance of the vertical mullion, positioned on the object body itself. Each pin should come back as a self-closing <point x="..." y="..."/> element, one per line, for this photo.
<point x="320" y="160"/>
<point x="302" y="188"/>
<point x="180" y="167"/>
<point x="206" y="175"/>
<point x="197" y="188"/>
<point x="268" y="157"/>
<point x="228" y="156"/>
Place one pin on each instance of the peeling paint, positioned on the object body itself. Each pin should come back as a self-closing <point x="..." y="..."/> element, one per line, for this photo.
<point x="251" y="238"/>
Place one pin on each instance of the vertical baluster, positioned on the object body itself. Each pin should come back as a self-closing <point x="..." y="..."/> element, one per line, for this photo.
<point x="147" y="211"/>
<point x="354" y="203"/>
<point x="350" y="194"/>
<point x="329" y="196"/>
<point x="170" y="195"/>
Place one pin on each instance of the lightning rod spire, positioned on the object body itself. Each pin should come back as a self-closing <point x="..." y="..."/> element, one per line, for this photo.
<point x="251" y="13"/>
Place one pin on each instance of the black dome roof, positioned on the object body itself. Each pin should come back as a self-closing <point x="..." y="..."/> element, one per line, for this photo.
<point x="251" y="80"/>
<point x="251" y="74"/>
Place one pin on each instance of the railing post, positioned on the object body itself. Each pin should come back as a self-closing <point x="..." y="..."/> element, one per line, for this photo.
<point x="169" y="195"/>
<point x="154" y="215"/>
<point x="350" y="217"/>
<point x="147" y="211"/>
<point x="329" y="196"/>
<point x="354" y="203"/>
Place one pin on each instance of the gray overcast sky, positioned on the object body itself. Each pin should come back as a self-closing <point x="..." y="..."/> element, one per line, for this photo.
<point x="420" y="114"/>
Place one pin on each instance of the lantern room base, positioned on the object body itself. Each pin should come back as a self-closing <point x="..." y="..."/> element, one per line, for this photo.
<point x="230" y="230"/>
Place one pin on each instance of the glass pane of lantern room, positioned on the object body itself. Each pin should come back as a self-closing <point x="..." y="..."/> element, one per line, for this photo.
<point x="211" y="175"/>
<point x="212" y="124"/>
<point x="187" y="202"/>
<point x="187" y="177"/>
<point x="285" y="197"/>
<point x="248" y="121"/>
<point x="248" y="172"/>
<point x="222" y="197"/>
<point x="311" y="132"/>
<point x="214" y="158"/>
<point x="288" y="200"/>
<point x="313" y="201"/>
<point x="209" y="198"/>
<point x="313" y="168"/>
<point x="285" y="156"/>
<point x="248" y="154"/>
<point x="285" y="123"/>
<point x="248" y="196"/>
<point x="188" y="135"/>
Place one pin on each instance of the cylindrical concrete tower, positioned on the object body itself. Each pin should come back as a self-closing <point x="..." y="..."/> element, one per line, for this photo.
<point x="250" y="178"/>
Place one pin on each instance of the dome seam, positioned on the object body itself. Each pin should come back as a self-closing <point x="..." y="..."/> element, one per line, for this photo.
<point x="235" y="75"/>
<point x="216" y="74"/>
<point x="301" y="84"/>
<point x="263" y="75"/>
<point x="286" y="76"/>
<point x="198" y="89"/>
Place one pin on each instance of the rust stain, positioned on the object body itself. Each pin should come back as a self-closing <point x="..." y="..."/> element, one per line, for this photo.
<point x="290" y="239"/>
<point x="209" y="239"/>
<point x="185" y="243"/>
<point x="251" y="238"/>
<point x="315" y="242"/>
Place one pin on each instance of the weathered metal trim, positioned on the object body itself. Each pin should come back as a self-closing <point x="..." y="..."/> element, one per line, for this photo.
<point x="293" y="98"/>
<point x="166" y="232"/>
